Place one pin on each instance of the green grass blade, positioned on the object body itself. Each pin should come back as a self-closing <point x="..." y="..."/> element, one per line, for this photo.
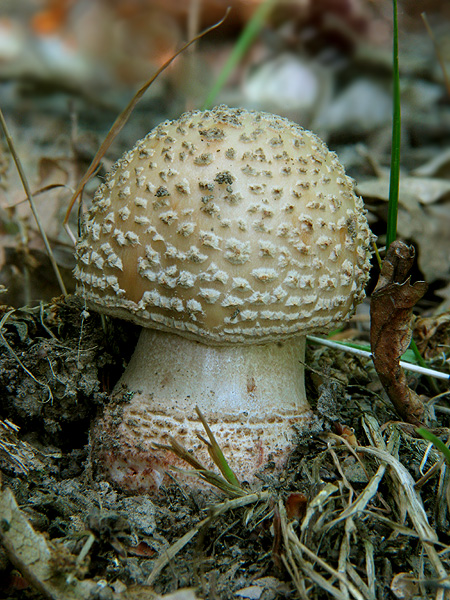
<point x="427" y="435"/>
<point x="391" y="232"/>
<point x="247" y="36"/>
<point x="409" y="356"/>
<point x="216" y="452"/>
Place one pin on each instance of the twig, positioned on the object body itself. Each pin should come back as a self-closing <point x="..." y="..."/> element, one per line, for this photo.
<point x="121" y="120"/>
<point x="27" y="189"/>
<point x="437" y="51"/>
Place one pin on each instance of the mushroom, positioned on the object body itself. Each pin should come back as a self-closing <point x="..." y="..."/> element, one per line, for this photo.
<point x="228" y="235"/>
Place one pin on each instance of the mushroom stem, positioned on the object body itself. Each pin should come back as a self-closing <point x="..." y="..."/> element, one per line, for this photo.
<point x="251" y="396"/>
<point x="246" y="382"/>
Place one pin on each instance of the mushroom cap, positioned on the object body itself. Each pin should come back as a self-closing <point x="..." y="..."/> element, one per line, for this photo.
<point x="226" y="226"/>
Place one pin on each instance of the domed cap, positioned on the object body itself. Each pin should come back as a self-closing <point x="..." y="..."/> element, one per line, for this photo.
<point x="226" y="226"/>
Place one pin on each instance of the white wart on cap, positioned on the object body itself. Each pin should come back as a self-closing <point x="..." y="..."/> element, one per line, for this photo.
<point x="229" y="228"/>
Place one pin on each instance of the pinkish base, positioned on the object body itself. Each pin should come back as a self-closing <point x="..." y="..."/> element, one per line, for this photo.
<point x="251" y="397"/>
<point x="136" y="466"/>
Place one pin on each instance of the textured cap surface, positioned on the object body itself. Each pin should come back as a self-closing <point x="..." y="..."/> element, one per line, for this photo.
<point x="226" y="226"/>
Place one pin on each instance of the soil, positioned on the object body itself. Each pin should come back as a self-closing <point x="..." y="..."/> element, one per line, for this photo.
<point x="48" y="467"/>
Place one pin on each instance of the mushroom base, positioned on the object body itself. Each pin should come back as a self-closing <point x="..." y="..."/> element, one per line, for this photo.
<point x="251" y="396"/>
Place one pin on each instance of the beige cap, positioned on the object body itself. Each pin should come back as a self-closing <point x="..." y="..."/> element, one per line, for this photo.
<point x="226" y="226"/>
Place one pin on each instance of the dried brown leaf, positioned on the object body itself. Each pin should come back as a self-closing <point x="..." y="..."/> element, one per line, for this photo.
<point x="414" y="191"/>
<point x="391" y="311"/>
<point x="438" y="166"/>
<point x="51" y="171"/>
<point x="423" y="216"/>
<point x="296" y="504"/>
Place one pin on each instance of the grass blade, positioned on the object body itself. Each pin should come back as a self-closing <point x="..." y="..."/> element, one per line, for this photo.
<point x="391" y="232"/>
<point x="247" y="36"/>
<point x="427" y="435"/>
<point x="216" y="453"/>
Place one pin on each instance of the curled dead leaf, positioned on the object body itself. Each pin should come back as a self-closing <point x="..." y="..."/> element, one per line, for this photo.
<point x="390" y="334"/>
<point x="347" y="433"/>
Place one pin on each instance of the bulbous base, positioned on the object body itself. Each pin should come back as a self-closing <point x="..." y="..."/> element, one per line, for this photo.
<point x="252" y="397"/>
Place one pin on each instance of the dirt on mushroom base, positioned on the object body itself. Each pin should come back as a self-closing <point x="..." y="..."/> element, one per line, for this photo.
<point x="47" y="466"/>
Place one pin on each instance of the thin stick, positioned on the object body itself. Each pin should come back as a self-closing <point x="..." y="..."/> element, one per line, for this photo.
<point x="121" y="121"/>
<point x="405" y="365"/>
<point x="27" y="189"/>
<point x="437" y="51"/>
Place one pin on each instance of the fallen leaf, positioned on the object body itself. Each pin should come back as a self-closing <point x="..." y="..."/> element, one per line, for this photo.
<point x="390" y="334"/>
<point x="272" y="588"/>
<point x="296" y="504"/>
<point x="142" y="549"/>
<point x="428" y="227"/>
<point x="404" y="586"/>
<point x="347" y="433"/>
<point x="253" y="592"/>
<point x="438" y="166"/>
<point x="52" y="171"/>
<point x="412" y="192"/>
<point x="185" y="594"/>
<point x="423" y="217"/>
